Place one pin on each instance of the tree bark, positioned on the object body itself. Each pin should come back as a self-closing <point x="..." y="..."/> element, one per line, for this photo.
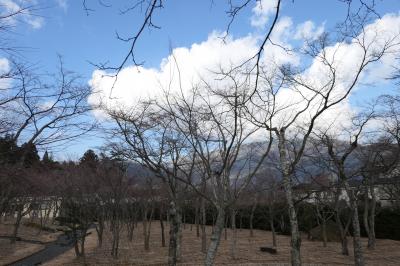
<point x="174" y="234"/>
<point x="343" y="232"/>
<point x="16" y="225"/>
<point x="147" y="227"/>
<point x="253" y="209"/>
<point x="366" y="212"/>
<point x="271" y="223"/>
<point x="115" y="240"/>
<point x="100" y="230"/>
<point x="226" y="228"/>
<point x="295" y="242"/>
<point x="240" y="221"/>
<point x="358" y="252"/>
<point x="131" y="228"/>
<point x="234" y="233"/>
<point x="162" y="229"/>
<point x="215" y="237"/>
<point x="324" y="236"/>
<point x="196" y="220"/>
<point x="79" y="251"/>
<point x="203" y="225"/>
<point x="371" y="236"/>
<point x="184" y="219"/>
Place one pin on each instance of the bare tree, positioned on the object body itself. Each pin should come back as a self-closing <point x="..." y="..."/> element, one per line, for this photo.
<point x="315" y="100"/>
<point x="51" y="113"/>
<point x="379" y="157"/>
<point x="147" y="138"/>
<point x="78" y="205"/>
<point x="340" y="155"/>
<point x="214" y="127"/>
<point x="311" y="99"/>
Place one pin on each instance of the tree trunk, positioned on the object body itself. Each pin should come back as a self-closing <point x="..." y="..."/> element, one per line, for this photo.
<point x="131" y="228"/>
<point x="184" y="220"/>
<point x="83" y="247"/>
<point x="16" y="225"/>
<point x="203" y="226"/>
<point x="79" y="251"/>
<point x="162" y="229"/>
<point x="358" y="252"/>
<point x="343" y="230"/>
<point x="234" y="233"/>
<point x="100" y="230"/>
<point x="343" y="233"/>
<point x="323" y="230"/>
<point x="196" y="220"/>
<point x="83" y="240"/>
<point x="345" y="248"/>
<point x="174" y="234"/>
<point x="271" y="224"/>
<point x="240" y="221"/>
<point x="147" y="227"/>
<point x="226" y="228"/>
<point x="282" y="224"/>
<point x="371" y="236"/>
<point x="215" y="237"/>
<point x="253" y="209"/>
<point x="295" y="242"/>
<point x="55" y="211"/>
<point x="115" y="240"/>
<point x="76" y="247"/>
<point x="146" y="239"/>
<point x="366" y="211"/>
<point x="213" y="223"/>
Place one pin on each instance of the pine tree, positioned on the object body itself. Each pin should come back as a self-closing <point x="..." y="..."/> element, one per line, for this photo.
<point x="89" y="159"/>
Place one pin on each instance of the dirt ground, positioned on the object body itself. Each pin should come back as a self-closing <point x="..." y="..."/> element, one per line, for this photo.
<point x="387" y="252"/>
<point x="21" y="249"/>
<point x="10" y="253"/>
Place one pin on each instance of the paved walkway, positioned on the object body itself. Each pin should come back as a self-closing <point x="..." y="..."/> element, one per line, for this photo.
<point x="52" y="250"/>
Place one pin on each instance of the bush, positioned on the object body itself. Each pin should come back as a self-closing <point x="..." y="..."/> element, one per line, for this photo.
<point x="387" y="220"/>
<point x="39" y="227"/>
<point x="387" y="223"/>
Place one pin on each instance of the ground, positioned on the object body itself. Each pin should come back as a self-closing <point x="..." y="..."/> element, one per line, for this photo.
<point x="33" y="241"/>
<point x="387" y="252"/>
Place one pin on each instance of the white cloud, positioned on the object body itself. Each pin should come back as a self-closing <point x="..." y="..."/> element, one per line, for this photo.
<point x="8" y="7"/>
<point x="383" y="30"/>
<point x="261" y="12"/>
<point x="282" y="30"/>
<point x="185" y="68"/>
<point x="201" y="59"/>
<point x="194" y="63"/>
<point x="36" y="23"/>
<point x="308" y="31"/>
<point x="4" y="69"/>
<point x="345" y="58"/>
<point x="4" y="66"/>
<point x="63" y="4"/>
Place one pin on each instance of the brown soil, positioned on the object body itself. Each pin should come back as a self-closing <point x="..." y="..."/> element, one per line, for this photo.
<point x="387" y="252"/>
<point x="10" y="253"/>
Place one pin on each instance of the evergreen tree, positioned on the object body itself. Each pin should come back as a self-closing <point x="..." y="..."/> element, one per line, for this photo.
<point x="29" y="154"/>
<point x="89" y="159"/>
<point x="8" y="150"/>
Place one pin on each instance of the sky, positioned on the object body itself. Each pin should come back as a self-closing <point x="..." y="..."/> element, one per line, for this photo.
<point x="189" y="28"/>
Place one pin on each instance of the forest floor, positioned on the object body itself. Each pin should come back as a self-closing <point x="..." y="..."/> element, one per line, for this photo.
<point x="31" y="241"/>
<point x="248" y="252"/>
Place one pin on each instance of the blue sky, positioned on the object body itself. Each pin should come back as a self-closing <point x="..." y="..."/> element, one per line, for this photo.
<point x="80" y="38"/>
<point x="66" y="29"/>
